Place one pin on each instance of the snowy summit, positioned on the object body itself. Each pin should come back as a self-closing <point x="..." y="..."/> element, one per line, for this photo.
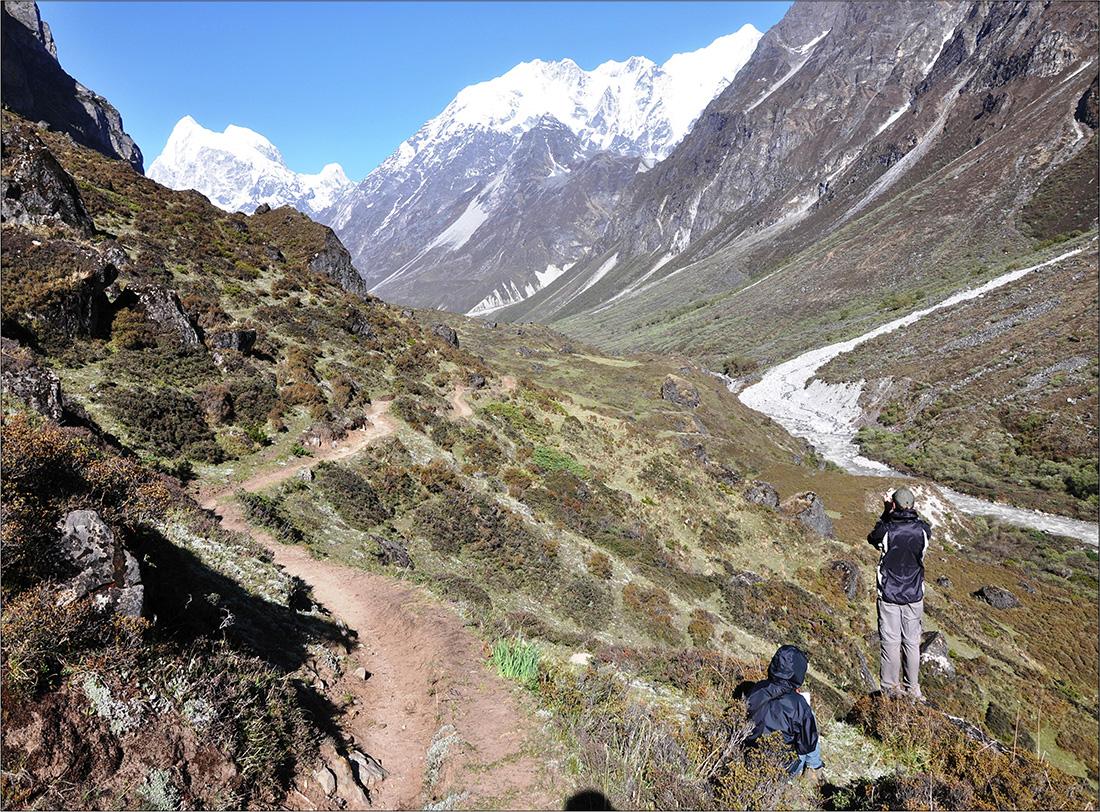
<point x="239" y="169"/>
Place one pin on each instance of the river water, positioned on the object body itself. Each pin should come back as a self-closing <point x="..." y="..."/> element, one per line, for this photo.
<point x="827" y="414"/>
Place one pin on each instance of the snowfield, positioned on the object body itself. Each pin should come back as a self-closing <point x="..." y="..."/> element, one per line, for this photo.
<point x="827" y="414"/>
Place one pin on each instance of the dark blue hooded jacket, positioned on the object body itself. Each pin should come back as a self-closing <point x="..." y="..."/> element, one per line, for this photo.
<point x="775" y="706"/>
<point x="902" y="537"/>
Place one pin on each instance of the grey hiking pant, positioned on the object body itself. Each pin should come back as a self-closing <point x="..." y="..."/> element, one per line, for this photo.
<point x="899" y="627"/>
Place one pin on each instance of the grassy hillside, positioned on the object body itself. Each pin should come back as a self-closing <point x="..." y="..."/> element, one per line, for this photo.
<point x="596" y="536"/>
<point x="996" y="397"/>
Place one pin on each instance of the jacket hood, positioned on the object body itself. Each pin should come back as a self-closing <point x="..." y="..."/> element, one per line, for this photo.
<point x="903" y="514"/>
<point x="788" y="666"/>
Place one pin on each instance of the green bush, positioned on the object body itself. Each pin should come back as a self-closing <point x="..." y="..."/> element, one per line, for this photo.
<point x="165" y="421"/>
<point x="517" y="660"/>
<point x="351" y="496"/>
<point x="549" y="460"/>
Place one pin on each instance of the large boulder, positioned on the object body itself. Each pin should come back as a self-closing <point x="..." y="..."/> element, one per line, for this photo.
<point x="36" y="190"/>
<point x="682" y="393"/>
<point x="37" y="386"/>
<point x="392" y="552"/>
<point x="997" y="598"/>
<point x="101" y="567"/>
<point x="163" y="308"/>
<point x="808" y="509"/>
<point x="934" y="654"/>
<point x="446" y="334"/>
<point x="240" y="340"/>
<point x="762" y="493"/>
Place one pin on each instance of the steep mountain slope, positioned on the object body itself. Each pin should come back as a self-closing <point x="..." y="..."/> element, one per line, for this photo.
<point x="865" y="150"/>
<point x="36" y="87"/>
<point x="239" y="169"/>
<point x="596" y="538"/>
<point x="491" y="199"/>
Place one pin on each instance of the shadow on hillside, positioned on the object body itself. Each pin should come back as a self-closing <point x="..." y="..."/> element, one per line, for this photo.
<point x="190" y="601"/>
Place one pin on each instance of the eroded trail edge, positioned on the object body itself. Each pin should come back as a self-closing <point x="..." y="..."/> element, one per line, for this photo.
<point x="429" y="710"/>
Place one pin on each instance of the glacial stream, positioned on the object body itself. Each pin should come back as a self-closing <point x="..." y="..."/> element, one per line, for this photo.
<point x="827" y="414"/>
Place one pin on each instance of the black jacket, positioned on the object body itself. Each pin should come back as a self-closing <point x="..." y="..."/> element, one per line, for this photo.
<point x="774" y="705"/>
<point x="902" y="536"/>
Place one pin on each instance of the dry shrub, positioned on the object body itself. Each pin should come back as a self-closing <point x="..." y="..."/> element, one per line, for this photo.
<point x="946" y="768"/>
<point x="599" y="565"/>
<point x="652" y="610"/>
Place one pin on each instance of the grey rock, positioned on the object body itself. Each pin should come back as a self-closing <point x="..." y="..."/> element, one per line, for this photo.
<point x="88" y="548"/>
<point x="326" y="780"/>
<point x="392" y="552"/>
<point x="808" y="509"/>
<point x="1061" y="570"/>
<point x="762" y="493"/>
<point x="724" y="474"/>
<point x="334" y="261"/>
<point x="240" y="340"/>
<point x="850" y="580"/>
<point x="36" y="87"/>
<point x="447" y="334"/>
<point x="997" y="597"/>
<point x="361" y="673"/>
<point x="743" y="578"/>
<point x="37" y="386"/>
<point x="36" y="189"/>
<point x="943" y="581"/>
<point x="526" y="352"/>
<point x="263" y="208"/>
<point x="476" y="381"/>
<point x="306" y="475"/>
<point x="162" y="307"/>
<point x="934" y="654"/>
<point x="370" y="771"/>
<point x="678" y="391"/>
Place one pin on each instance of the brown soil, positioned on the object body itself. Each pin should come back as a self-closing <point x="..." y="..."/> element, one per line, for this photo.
<point x="425" y="671"/>
<point x="460" y="409"/>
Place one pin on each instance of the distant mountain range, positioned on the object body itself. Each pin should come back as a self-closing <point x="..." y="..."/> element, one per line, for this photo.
<point x="494" y="198"/>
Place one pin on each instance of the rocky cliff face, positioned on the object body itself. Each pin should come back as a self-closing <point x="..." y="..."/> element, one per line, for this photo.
<point x="911" y="134"/>
<point x="37" y="87"/>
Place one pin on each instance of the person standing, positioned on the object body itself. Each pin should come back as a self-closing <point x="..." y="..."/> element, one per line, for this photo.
<point x="902" y="538"/>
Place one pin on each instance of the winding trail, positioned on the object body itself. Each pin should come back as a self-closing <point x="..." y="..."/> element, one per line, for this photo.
<point x="827" y="414"/>
<point x="426" y="671"/>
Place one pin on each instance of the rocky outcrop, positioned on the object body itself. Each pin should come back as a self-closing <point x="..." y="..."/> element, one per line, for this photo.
<point x="934" y="655"/>
<point x="808" y="509"/>
<point x="334" y="261"/>
<point x="36" y="386"/>
<point x="677" y="390"/>
<point x="997" y="598"/>
<point x="762" y="493"/>
<point x="36" y="190"/>
<point x="163" y="308"/>
<point x="102" y="567"/>
<point x="1088" y="106"/>
<point x="240" y="340"/>
<point x="36" y="87"/>
<point x="848" y="575"/>
<point x="446" y="334"/>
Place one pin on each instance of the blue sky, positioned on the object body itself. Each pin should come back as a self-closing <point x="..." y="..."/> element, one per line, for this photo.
<point x="347" y="81"/>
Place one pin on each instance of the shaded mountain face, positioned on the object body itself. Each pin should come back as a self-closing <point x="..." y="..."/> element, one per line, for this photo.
<point x="488" y="202"/>
<point x="38" y="88"/>
<point x="239" y="169"/>
<point x="865" y="150"/>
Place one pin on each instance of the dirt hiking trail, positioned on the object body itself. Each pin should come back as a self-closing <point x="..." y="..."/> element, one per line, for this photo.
<point x="443" y="726"/>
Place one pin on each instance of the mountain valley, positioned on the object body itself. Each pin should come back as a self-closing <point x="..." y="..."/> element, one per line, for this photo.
<point x="436" y="490"/>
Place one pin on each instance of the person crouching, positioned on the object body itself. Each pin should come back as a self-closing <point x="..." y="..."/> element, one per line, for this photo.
<point x="775" y="705"/>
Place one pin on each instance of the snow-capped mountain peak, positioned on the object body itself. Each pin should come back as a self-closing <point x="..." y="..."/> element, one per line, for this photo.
<point x="631" y="107"/>
<point x="238" y="169"/>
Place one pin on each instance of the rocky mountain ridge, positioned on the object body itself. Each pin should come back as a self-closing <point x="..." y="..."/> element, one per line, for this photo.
<point x="36" y="87"/>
